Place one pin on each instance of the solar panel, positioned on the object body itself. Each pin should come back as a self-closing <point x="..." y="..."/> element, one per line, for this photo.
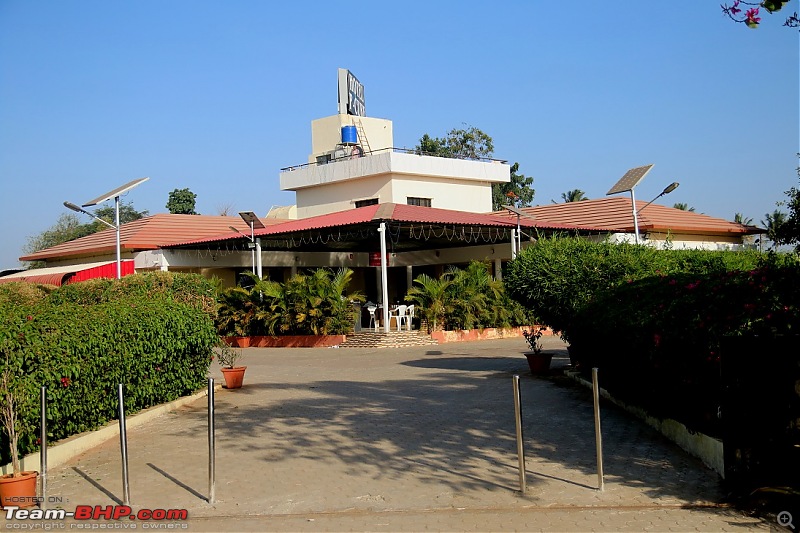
<point x="116" y="192"/>
<point x="630" y="180"/>
<point x="251" y="218"/>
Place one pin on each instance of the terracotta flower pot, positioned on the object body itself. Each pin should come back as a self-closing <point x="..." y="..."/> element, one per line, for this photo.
<point x="539" y="362"/>
<point x="233" y="376"/>
<point x="18" y="491"/>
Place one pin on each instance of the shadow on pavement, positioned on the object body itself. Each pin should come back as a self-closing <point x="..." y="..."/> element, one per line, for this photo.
<point x="455" y="427"/>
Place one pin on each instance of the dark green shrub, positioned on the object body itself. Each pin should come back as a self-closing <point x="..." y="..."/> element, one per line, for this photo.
<point x="465" y="299"/>
<point x="558" y="276"/>
<point x="192" y="289"/>
<point x="657" y="340"/>
<point x="316" y="303"/>
<point x="22" y="293"/>
<point x="156" y="340"/>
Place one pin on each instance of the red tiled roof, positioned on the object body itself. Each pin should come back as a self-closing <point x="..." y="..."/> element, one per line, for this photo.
<point x="389" y="212"/>
<point x="615" y="214"/>
<point x="148" y="233"/>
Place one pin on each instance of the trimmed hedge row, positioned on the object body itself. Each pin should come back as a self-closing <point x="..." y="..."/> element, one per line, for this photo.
<point x="150" y="332"/>
<point x="653" y="320"/>
<point x="558" y="276"/>
<point x="669" y="330"/>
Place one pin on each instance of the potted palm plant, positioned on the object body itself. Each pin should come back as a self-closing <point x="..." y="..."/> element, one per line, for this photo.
<point x="234" y="375"/>
<point x="538" y="361"/>
<point x="19" y="487"/>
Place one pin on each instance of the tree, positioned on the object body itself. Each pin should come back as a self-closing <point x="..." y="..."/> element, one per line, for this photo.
<point x="773" y="222"/>
<point x="788" y="231"/>
<point x="467" y="143"/>
<point x="575" y="195"/>
<point x="181" y="202"/>
<point x="741" y="219"/>
<point x="431" y="297"/>
<point x="224" y="209"/>
<point x="751" y="18"/>
<point x="127" y="213"/>
<point x="472" y="143"/>
<point x="68" y="227"/>
<point x="683" y="206"/>
<point x="433" y="146"/>
<point x="517" y="192"/>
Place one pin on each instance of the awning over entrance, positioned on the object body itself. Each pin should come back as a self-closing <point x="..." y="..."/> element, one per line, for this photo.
<point x="71" y="273"/>
<point x="409" y="228"/>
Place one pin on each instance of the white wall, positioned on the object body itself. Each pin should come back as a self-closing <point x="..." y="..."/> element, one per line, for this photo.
<point x="681" y="241"/>
<point x="326" y="133"/>
<point x="392" y="177"/>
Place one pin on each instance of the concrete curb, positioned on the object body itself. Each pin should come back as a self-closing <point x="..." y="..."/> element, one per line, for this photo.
<point x="707" y="449"/>
<point x="69" y="448"/>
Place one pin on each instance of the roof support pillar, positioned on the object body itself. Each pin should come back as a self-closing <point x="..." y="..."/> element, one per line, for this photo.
<point x="259" y="264"/>
<point x="384" y="278"/>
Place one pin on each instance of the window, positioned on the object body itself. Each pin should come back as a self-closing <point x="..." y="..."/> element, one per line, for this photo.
<point x="423" y="202"/>
<point x="364" y="203"/>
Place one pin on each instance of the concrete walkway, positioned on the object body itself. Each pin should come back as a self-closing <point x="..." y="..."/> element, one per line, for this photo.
<point x="405" y="439"/>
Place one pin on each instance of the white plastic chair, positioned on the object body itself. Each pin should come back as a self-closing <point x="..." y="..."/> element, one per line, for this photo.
<point x="399" y="314"/>
<point x="410" y="317"/>
<point x="371" y="307"/>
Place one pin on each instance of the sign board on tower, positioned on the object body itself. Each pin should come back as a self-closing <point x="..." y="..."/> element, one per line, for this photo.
<point x="351" y="94"/>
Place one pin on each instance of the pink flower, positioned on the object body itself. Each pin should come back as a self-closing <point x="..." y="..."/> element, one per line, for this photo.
<point x="65" y="382"/>
<point x="30" y="317"/>
<point x="734" y="8"/>
<point x="751" y="19"/>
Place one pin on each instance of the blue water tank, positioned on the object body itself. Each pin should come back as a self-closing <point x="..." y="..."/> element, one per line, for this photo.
<point x="349" y="135"/>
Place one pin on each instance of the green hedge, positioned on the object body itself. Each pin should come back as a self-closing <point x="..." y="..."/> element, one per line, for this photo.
<point x="316" y="302"/>
<point x="653" y="320"/>
<point x="559" y="275"/>
<point x="669" y="330"/>
<point x="151" y="332"/>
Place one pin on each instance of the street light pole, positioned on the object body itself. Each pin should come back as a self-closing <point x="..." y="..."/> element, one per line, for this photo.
<point x="70" y="205"/>
<point x="115" y="194"/>
<point x="119" y="259"/>
<point x="635" y="218"/>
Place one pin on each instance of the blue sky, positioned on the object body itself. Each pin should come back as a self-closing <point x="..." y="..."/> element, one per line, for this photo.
<point x="218" y="96"/>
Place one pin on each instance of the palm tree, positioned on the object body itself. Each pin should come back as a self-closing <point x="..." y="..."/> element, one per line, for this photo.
<point x="575" y="195"/>
<point x="773" y="223"/>
<point x="741" y="219"/>
<point x="473" y="295"/>
<point x="430" y="296"/>
<point x="683" y="207"/>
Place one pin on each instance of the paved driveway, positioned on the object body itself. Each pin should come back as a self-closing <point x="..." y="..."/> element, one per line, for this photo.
<point x="403" y="439"/>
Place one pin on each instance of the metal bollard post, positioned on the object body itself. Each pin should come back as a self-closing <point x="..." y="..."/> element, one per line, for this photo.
<point x="520" y="447"/>
<point x="43" y="450"/>
<point x="123" y="444"/>
<point x="598" y="436"/>
<point x="211" y="444"/>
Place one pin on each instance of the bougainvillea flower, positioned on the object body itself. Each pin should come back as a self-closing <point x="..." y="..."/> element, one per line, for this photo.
<point x="751" y="19"/>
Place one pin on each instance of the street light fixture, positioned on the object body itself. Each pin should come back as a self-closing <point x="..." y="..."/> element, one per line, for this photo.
<point x="516" y="240"/>
<point x="252" y="220"/>
<point x="115" y="194"/>
<point x="626" y="184"/>
<point x="668" y="189"/>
